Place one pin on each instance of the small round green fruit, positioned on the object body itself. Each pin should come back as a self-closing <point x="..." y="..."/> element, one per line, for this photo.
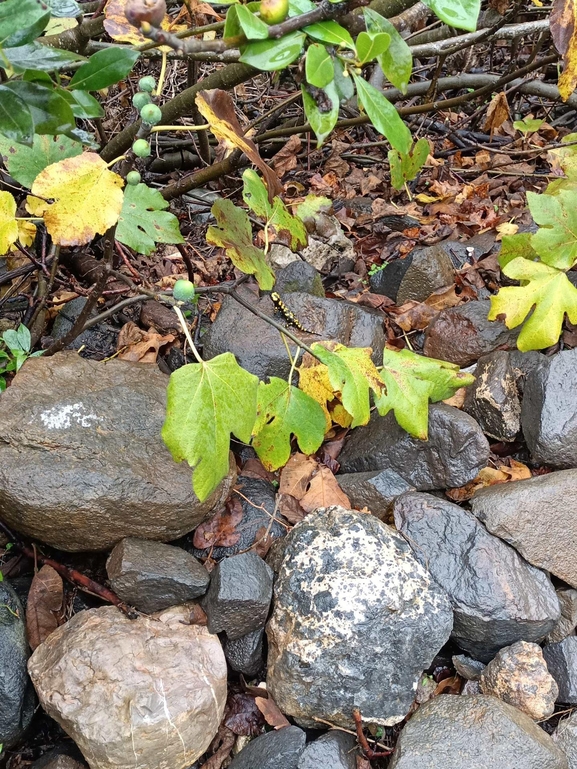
<point x="147" y="83"/>
<point x="141" y="99"/>
<point x="274" y="11"/>
<point x="133" y="178"/>
<point x="151" y="114"/>
<point x="183" y="291"/>
<point x="141" y="148"/>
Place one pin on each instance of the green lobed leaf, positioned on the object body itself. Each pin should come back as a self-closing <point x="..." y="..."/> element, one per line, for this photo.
<point x="234" y="234"/>
<point x="319" y="66"/>
<point x="411" y="381"/>
<point x="15" y="118"/>
<point x="369" y="46"/>
<point x="284" y="410"/>
<point x="330" y="32"/>
<point x="547" y="291"/>
<point x="143" y="221"/>
<point x="462" y="14"/>
<point x="352" y="373"/>
<point x="104" y="68"/>
<point x="312" y="206"/>
<point x="321" y="118"/>
<point x="25" y="163"/>
<point x="527" y="126"/>
<point x="273" y="55"/>
<point x="515" y="247"/>
<point x="17" y="17"/>
<point x="253" y="27"/>
<point x="383" y="116"/>
<point x="206" y="403"/>
<point x="397" y="61"/>
<point x="556" y="240"/>
<point x="404" y="168"/>
<point x="18" y="341"/>
<point x="275" y="214"/>
<point x="50" y="112"/>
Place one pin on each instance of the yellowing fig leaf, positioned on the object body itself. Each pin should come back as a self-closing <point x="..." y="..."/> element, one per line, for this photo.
<point x="314" y="381"/>
<point x="87" y="198"/>
<point x="411" y="381"/>
<point x="26" y="232"/>
<point x="284" y="410"/>
<point x="8" y="223"/>
<point x="556" y="239"/>
<point x="206" y="402"/>
<point x="547" y="291"/>
<point x="234" y="234"/>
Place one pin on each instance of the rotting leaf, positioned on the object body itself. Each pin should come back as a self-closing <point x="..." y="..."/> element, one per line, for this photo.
<point x="242" y="715"/>
<point x="296" y="475"/>
<point x="497" y="113"/>
<point x="271" y="712"/>
<point x="324" y="491"/>
<point x="139" y="346"/>
<point x="45" y="599"/>
<point x="220" y="530"/>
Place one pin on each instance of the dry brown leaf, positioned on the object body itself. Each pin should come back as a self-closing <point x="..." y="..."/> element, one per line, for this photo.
<point x="564" y="34"/>
<point x="324" y="491"/>
<point x="490" y="476"/>
<point x="497" y="113"/>
<point x="413" y="315"/>
<point x="225" y="739"/>
<point x="140" y="346"/>
<point x="285" y="159"/>
<point x="254" y="468"/>
<point x="45" y="599"/>
<point x="271" y="712"/>
<point x="296" y="475"/>
<point x="220" y="530"/>
<point x="457" y="399"/>
<point x="289" y="507"/>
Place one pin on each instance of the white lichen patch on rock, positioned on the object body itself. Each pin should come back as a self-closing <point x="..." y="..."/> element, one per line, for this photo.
<point x="63" y="417"/>
<point x="356" y="620"/>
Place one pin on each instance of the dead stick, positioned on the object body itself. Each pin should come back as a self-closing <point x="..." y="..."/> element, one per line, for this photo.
<point x="365" y="747"/>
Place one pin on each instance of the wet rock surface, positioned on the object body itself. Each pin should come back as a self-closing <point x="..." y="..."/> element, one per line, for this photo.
<point x="568" y="619"/>
<point x="152" y="576"/>
<point x="469" y="732"/>
<point x="63" y="411"/>
<point x="349" y="583"/>
<point x="537" y="517"/>
<point x="336" y="750"/>
<point x="467" y="667"/>
<point x="453" y="454"/>
<point x="416" y="276"/>
<point x="239" y="596"/>
<point x="275" y="750"/>
<point x="246" y="654"/>
<point x="561" y="659"/>
<point x="493" y="399"/>
<point x="299" y="276"/>
<point x="463" y="334"/>
<point x="497" y="597"/>
<point x="549" y="412"/>
<point x="518" y="675"/>
<point x="144" y="693"/>
<point x="373" y="490"/>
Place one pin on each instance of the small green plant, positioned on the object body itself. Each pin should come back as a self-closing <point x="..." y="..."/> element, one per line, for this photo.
<point x="19" y="344"/>
<point x="375" y="268"/>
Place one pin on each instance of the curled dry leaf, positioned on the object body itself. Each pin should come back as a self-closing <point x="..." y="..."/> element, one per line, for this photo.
<point x="140" y="346"/>
<point x="271" y="712"/>
<point x="45" y="599"/>
<point x="324" y="491"/>
<point x="220" y="530"/>
<point x="296" y="475"/>
<point x="285" y="159"/>
<point x="490" y="476"/>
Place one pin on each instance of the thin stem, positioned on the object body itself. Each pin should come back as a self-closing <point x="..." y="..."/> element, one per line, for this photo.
<point x="162" y="75"/>
<point x="158" y="128"/>
<point x="184" y="327"/>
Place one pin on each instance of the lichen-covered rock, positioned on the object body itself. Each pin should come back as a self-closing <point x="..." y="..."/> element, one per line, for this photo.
<point x="518" y="675"/>
<point x="493" y="399"/>
<point x="82" y="463"/>
<point x="133" y="694"/>
<point x="472" y="732"/>
<point x="355" y="621"/>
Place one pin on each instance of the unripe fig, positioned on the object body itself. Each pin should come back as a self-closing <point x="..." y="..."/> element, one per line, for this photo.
<point x="140" y="99"/>
<point x="133" y="178"/>
<point x="183" y="291"/>
<point x="151" y="11"/>
<point x="151" y="114"/>
<point x="141" y="148"/>
<point x="274" y="11"/>
<point x="147" y="83"/>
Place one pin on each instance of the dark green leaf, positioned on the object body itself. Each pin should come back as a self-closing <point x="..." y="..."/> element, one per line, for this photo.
<point x="369" y="46"/>
<point x="104" y="68"/>
<point x="25" y="163"/>
<point x="383" y="115"/>
<point x="85" y="138"/>
<point x="17" y="16"/>
<point x="330" y="32"/>
<point x="251" y="25"/>
<point x="50" y="112"/>
<point x="83" y="105"/>
<point x="343" y="83"/>
<point x="272" y="55"/>
<point x="15" y="118"/>
<point x="232" y="26"/>
<point x="27" y="34"/>
<point x="319" y="68"/>
<point x="39" y="57"/>
<point x="397" y="61"/>
<point x="296" y="7"/>
<point x="462" y="14"/>
<point x="36" y="76"/>
<point x="322" y="120"/>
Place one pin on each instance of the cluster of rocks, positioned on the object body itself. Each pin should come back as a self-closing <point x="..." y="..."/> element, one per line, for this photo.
<point x="350" y="607"/>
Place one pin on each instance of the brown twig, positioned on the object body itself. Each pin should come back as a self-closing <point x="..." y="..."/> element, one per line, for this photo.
<point x="365" y="747"/>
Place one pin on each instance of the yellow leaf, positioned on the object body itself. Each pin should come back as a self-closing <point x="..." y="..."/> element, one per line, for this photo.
<point x="87" y="198"/>
<point x="26" y="232"/>
<point x="35" y="206"/>
<point x="563" y="31"/>
<point x="8" y="223"/>
<point x="424" y="198"/>
<point x="506" y="228"/>
<point x="57" y="26"/>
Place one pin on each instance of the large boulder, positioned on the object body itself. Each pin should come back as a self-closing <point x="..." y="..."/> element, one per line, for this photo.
<point x="82" y="463"/>
<point x="133" y="694"/>
<point x="497" y="597"/>
<point x="537" y="517"/>
<point x="355" y="621"/>
<point x="471" y="732"/>
<point x="453" y="455"/>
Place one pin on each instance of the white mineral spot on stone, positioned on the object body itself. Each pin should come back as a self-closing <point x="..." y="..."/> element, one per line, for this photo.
<point x="62" y="417"/>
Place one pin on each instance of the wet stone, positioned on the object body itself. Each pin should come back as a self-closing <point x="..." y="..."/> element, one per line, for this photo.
<point x="493" y="399"/>
<point x="334" y="750"/>
<point x="245" y="654"/>
<point x="239" y="596"/>
<point x="301" y="277"/>
<point x="561" y="659"/>
<point x="279" y="749"/>
<point x="568" y="620"/>
<point x="565" y="736"/>
<point x="416" y="277"/>
<point x="467" y="667"/>
<point x="152" y="576"/>
<point x="373" y="490"/>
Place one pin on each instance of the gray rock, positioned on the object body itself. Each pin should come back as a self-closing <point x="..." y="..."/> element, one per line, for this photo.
<point x="245" y="654"/>
<point x="133" y="694"/>
<point x="334" y="750"/>
<point x="472" y="732"/>
<point x="565" y="736"/>
<point x="258" y="346"/>
<point x="98" y="339"/>
<point x="61" y="757"/>
<point x="493" y="399"/>
<point x="561" y="659"/>
<point x="373" y="490"/>
<point x="467" y="667"/>
<point x="152" y="576"/>
<point x="16" y="693"/>
<point x="82" y="463"/>
<point x="301" y="277"/>
<point x="523" y="363"/>
<point x="348" y="583"/>
<point x="421" y="272"/>
<point x="497" y="597"/>
<point x="335" y="255"/>
<point x="453" y="455"/>
<point x="537" y="517"/>
<point x="280" y="749"/>
<point x="568" y="620"/>
<point x="518" y="675"/>
<point x="549" y="411"/>
<point x="463" y="334"/>
<point x="239" y="596"/>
